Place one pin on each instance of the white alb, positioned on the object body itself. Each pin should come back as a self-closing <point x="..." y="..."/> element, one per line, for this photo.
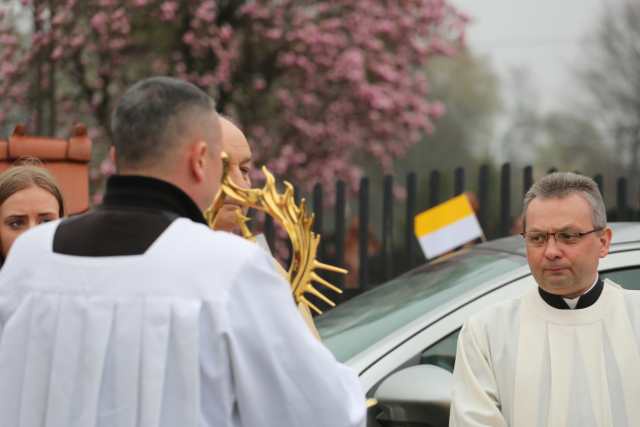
<point x="526" y="364"/>
<point x="199" y="331"/>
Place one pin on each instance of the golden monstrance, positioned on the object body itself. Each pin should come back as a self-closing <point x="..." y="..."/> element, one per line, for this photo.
<point x="282" y="207"/>
<point x="302" y="273"/>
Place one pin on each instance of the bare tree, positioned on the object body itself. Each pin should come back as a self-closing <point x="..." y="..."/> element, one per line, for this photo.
<point x="612" y="78"/>
<point x="522" y="133"/>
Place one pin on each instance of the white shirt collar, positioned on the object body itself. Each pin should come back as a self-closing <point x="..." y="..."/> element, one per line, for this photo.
<point x="572" y="302"/>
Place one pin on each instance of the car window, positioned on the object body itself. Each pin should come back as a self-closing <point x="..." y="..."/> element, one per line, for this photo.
<point x="359" y="323"/>
<point x="628" y="278"/>
<point x="442" y="353"/>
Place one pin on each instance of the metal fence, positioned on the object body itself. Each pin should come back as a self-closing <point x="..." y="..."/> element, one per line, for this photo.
<point x="396" y="251"/>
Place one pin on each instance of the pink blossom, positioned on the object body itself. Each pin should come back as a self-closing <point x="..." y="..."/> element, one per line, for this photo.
<point x="77" y="41"/>
<point x="120" y="22"/>
<point x="207" y="80"/>
<point x="59" y="18"/>
<point x="57" y="53"/>
<point x="107" y="167"/>
<point x="99" y="22"/>
<point x="7" y="40"/>
<point x="273" y="34"/>
<point x="181" y="68"/>
<point x="168" y="10"/>
<point x="287" y="59"/>
<point x="206" y="11"/>
<point x="7" y="69"/>
<point x="97" y="198"/>
<point x="188" y="38"/>
<point x="248" y="8"/>
<point x="117" y="44"/>
<point x="350" y="65"/>
<point x="226" y="32"/>
<point x="437" y="109"/>
<point x="259" y="83"/>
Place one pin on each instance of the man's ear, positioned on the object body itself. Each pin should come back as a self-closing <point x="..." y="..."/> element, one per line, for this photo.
<point x="197" y="159"/>
<point x="605" y="240"/>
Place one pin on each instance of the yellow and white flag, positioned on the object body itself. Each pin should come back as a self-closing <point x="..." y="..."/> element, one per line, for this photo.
<point x="446" y="226"/>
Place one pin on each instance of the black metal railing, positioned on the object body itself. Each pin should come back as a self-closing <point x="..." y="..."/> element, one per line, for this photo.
<point x="385" y="250"/>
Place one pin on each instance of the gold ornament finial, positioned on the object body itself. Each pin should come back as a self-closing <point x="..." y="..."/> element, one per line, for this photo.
<point x="303" y="271"/>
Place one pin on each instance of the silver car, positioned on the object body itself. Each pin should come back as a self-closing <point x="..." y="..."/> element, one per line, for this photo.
<point x="401" y="336"/>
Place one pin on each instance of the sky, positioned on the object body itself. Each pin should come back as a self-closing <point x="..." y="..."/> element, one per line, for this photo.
<point x="546" y="36"/>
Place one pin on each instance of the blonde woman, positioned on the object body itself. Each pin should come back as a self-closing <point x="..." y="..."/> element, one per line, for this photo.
<point x="29" y="195"/>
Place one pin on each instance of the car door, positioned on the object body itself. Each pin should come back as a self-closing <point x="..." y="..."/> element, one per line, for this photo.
<point x="436" y="344"/>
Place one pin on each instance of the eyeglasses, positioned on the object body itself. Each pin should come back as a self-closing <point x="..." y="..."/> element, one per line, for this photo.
<point x="540" y="238"/>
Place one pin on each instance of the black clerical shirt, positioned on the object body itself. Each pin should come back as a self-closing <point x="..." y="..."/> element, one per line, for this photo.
<point x="135" y="211"/>
<point x="585" y="300"/>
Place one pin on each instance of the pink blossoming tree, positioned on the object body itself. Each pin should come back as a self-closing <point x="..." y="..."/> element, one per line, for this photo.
<point x="317" y="86"/>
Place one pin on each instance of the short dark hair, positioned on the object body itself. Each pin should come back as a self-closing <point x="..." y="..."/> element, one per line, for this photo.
<point x="563" y="184"/>
<point x="151" y="116"/>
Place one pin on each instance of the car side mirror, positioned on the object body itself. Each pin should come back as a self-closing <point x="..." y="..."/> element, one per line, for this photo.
<point x="419" y="394"/>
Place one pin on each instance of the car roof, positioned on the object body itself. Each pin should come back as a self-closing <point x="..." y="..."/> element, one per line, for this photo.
<point x="623" y="232"/>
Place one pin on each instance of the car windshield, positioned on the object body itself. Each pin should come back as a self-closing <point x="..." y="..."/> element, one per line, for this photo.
<point x="355" y="325"/>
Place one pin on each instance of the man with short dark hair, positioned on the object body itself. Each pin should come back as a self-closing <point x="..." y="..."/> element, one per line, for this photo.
<point x="567" y="353"/>
<point x="137" y="314"/>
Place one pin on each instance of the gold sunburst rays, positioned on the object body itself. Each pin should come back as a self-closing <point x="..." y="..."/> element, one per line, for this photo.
<point x="302" y="273"/>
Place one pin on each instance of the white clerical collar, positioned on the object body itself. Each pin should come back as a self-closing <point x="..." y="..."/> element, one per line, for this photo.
<point x="572" y="302"/>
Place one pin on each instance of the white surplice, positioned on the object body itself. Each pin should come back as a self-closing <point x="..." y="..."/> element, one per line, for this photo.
<point x="198" y="331"/>
<point x="524" y="363"/>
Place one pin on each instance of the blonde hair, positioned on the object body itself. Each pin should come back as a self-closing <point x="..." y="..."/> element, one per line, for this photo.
<point x="29" y="173"/>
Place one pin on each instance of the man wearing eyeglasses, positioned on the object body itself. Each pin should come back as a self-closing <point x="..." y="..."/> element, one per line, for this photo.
<point x="564" y="354"/>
